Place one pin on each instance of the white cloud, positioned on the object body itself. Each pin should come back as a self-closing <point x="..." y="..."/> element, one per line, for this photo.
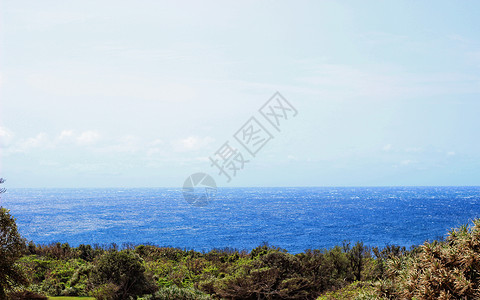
<point x="49" y="163"/>
<point x="414" y="150"/>
<point x="406" y="162"/>
<point x="387" y="147"/>
<point x="192" y="143"/>
<point x="292" y="158"/>
<point x="39" y="141"/>
<point x="65" y="134"/>
<point x="88" y="137"/>
<point x="125" y="144"/>
<point x="6" y="137"/>
<point x="85" y="167"/>
<point x="157" y="142"/>
<point x="451" y="153"/>
<point x="155" y="151"/>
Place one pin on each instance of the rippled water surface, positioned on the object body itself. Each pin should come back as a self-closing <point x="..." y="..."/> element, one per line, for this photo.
<point x="292" y="218"/>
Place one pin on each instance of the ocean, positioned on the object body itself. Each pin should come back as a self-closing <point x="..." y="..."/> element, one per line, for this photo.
<point x="295" y="219"/>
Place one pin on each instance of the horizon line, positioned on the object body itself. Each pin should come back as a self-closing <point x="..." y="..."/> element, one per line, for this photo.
<point x="242" y="187"/>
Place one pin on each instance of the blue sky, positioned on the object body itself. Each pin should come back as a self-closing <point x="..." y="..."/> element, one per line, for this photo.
<point x="142" y="93"/>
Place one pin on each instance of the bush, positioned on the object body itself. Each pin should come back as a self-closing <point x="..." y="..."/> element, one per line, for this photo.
<point x="124" y="270"/>
<point x="108" y="291"/>
<point x="26" y="295"/>
<point x="12" y="247"/>
<point x="440" y="270"/>
<point x="272" y="275"/>
<point x="176" y="293"/>
<point x="355" y="291"/>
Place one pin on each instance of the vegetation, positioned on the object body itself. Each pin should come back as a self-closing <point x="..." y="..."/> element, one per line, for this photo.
<point x="448" y="269"/>
<point x="120" y="275"/>
<point x="170" y="273"/>
<point x="11" y="249"/>
<point x="439" y="270"/>
<point x="71" y="298"/>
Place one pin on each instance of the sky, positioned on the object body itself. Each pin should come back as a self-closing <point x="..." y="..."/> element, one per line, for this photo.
<point x="144" y="93"/>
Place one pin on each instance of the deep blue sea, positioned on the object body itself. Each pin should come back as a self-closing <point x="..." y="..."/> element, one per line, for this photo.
<point x="292" y="218"/>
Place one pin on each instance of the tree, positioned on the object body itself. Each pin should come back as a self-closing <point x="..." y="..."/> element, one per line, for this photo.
<point x="271" y="274"/>
<point x="12" y="246"/>
<point x="356" y="256"/>
<point x="119" y="275"/>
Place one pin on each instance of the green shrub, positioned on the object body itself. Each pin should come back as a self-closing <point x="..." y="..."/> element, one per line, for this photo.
<point x="176" y="293"/>
<point x="124" y="270"/>
<point x="355" y="291"/>
<point x="440" y="270"/>
<point x="107" y="291"/>
<point x="272" y="275"/>
<point x="26" y="295"/>
<point x="12" y="247"/>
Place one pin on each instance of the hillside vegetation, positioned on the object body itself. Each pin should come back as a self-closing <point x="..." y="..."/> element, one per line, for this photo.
<point x="446" y="269"/>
